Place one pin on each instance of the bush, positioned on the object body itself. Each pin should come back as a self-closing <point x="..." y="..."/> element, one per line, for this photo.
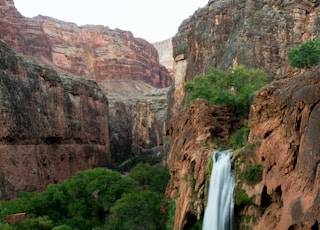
<point x="252" y="174"/>
<point x="306" y="55"/>
<point x="232" y="87"/>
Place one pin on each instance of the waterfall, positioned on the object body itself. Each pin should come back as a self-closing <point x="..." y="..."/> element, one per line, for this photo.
<point x="219" y="211"/>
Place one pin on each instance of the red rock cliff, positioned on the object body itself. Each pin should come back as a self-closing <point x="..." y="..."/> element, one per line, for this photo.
<point x="285" y="120"/>
<point x="51" y="125"/>
<point x="92" y="51"/>
<point x="283" y="116"/>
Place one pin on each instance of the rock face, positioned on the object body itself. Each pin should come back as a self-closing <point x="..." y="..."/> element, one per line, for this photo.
<point x="51" y="126"/>
<point x="92" y="51"/>
<point x="193" y="136"/>
<point x="285" y="121"/>
<point x="248" y="32"/>
<point x="125" y="68"/>
<point x="137" y="122"/>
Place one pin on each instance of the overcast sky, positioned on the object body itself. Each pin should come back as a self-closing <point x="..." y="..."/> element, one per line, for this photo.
<point x="153" y="20"/>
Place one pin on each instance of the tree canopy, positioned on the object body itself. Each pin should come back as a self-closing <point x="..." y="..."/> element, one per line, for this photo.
<point x="95" y="199"/>
<point x="306" y="55"/>
<point x="232" y="87"/>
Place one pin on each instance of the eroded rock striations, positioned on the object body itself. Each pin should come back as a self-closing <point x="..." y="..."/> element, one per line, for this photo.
<point x="51" y="125"/>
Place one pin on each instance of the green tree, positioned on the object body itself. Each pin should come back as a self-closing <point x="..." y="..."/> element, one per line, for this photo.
<point x="306" y="55"/>
<point x="233" y="87"/>
<point x="154" y="177"/>
<point x="140" y="209"/>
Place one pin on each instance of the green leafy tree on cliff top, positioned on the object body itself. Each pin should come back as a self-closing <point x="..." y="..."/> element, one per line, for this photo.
<point x="306" y="55"/>
<point x="232" y="87"/>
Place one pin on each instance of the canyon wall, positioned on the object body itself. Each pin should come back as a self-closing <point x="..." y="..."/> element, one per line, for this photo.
<point x="255" y="34"/>
<point x="193" y="136"/>
<point x="51" y="125"/>
<point x="285" y="122"/>
<point x="126" y="68"/>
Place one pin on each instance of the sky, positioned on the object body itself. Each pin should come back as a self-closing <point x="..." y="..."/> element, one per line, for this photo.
<point x="153" y="20"/>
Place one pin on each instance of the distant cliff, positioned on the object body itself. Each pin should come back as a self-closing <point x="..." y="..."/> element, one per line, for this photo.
<point x="92" y="51"/>
<point x="165" y="54"/>
<point x="51" y="125"/>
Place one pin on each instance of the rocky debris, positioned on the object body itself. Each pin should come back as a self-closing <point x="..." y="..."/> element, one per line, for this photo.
<point x="51" y="125"/>
<point x="285" y="121"/>
<point x="191" y="138"/>
<point x="91" y="51"/>
<point x="16" y="217"/>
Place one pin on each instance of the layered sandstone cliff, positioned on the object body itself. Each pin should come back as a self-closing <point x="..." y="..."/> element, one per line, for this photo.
<point x="92" y="51"/>
<point x="51" y="125"/>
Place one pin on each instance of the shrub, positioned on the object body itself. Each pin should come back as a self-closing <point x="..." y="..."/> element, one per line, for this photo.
<point x="306" y="55"/>
<point x="232" y="87"/>
<point x="252" y="174"/>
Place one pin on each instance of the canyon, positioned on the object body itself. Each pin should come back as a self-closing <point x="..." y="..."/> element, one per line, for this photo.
<point x="55" y="122"/>
<point x="92" y="61"/>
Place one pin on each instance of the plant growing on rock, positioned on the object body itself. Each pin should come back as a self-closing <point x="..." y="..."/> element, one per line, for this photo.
<point x="233" y="87"/>
<point x="306" y="55"/>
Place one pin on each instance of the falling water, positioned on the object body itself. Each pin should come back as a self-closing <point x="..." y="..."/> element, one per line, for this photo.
<point x="219" y="211"/>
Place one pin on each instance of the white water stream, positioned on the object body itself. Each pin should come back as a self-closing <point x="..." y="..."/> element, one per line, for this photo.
<point x="219" y="211"/>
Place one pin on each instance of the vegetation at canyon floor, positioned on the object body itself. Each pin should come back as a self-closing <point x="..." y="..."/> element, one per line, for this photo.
<point x="233" y="87"/>
<point x="96" y="199"/>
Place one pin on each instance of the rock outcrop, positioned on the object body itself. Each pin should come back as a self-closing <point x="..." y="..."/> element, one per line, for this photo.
<point x="92" y="51"/>
<point x="193" y="136"/>
<point x="285" y="121"/>
<point x="51" y="125"/>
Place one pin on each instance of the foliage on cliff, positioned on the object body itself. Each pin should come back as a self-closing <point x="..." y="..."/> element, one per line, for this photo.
<point x="306" y="55"/>
<point x="94" y="199"/>
<point x="232" y="87"/>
